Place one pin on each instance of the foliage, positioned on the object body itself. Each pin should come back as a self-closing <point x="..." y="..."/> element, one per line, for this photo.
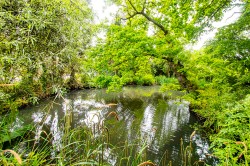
<point x="41" y="43"/>
<point x="122" y="59"/>
<point x="231" y="143"/>
<point x="43" y="47"/>
<point x="181" y="19"/>
<point x="236" y="37"/>
<point x="161" y="79"/>
<point x="222" y="95"/>
<point x="170" y="84"/>
<point x="151" y="33"/>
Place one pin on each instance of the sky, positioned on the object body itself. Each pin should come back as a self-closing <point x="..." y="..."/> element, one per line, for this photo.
<point x="102" y="11"/>
<point x="230" y="16"/>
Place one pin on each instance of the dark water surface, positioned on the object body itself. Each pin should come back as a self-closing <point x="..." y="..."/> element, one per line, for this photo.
<point x="144" y="113"/>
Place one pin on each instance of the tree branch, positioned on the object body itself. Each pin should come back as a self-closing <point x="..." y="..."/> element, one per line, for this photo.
<point x="143" y="7"/>
<point x="132" y="6"/>
<point x="142" y="12"/>
<point x="234" y="14"/>
<point x="130" y="16"/>
<point x="218" y="9"/>
<point x="155" y="23"/>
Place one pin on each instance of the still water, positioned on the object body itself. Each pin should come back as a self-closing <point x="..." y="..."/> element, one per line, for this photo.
<point x="162" y="122"/>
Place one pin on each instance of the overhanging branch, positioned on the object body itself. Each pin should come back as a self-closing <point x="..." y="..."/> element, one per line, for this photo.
<point x="142" y="12"/>
<point x="155" y="23"/>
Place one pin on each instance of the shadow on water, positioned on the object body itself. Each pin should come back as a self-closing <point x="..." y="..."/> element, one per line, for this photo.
<point x="146" y="117"/>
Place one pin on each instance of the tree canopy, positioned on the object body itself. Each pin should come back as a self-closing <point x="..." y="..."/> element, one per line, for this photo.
<point x="174" y="24"/>
<point x="41" y="43"/>
<point x="47" y="46"/>
<point x="175" y="19"/>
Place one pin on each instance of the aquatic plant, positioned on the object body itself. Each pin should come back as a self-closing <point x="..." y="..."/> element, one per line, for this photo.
<point x="77" y="146"/>
<point x="4" y="160"/>
<point x="147" y="163"/>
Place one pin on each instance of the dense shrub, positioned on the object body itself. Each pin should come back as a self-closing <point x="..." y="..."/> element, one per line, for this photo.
<point x="42" y="42"/>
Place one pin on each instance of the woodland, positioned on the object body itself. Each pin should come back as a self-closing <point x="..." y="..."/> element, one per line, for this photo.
<point x="47" y="49"/>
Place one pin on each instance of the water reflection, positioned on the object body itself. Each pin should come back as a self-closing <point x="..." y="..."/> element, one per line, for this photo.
<point x="146" y="127"/>
<point x="143" y="113"/>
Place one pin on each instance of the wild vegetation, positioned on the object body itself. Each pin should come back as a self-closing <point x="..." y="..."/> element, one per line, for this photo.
<point x="41" y="43"/>
<point x="45" y="48"/>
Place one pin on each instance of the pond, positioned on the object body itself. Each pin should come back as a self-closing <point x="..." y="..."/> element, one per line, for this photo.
<point x="159" y="123"/>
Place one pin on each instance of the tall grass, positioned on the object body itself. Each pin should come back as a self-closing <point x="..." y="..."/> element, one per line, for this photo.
<point x="84" y="145"/>
<point x="77" y="146"/>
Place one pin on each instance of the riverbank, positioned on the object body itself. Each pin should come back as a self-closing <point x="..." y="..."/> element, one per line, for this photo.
<point x="226" y="130"/>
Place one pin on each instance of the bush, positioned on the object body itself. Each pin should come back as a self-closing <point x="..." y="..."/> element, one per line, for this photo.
<point x="40" y="42"/>
<point x="170" y="86"/>
<point x="232" y="141"/>
<point x="170" y="83"/>
<point x="103" y="81"/>
<point x="116" y="84"/>
<point x="147" y="79"/>
<point x="160" y="80"/>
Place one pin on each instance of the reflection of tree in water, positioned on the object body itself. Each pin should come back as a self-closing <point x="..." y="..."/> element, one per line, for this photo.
<point x="168" y="124"/>
<point x="142" y="115"/>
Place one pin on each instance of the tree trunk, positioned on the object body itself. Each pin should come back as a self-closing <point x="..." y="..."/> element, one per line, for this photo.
<point x="72" y="81"/>
<point x="182" y="78"/>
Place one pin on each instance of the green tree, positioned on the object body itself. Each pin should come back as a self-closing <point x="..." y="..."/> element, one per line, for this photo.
<point x="232" y="45"/>
<point x="124" y="54"/>
<point x="41" y="43"/>
<point x="174" y="24"/>
<point x="221" y="73"/>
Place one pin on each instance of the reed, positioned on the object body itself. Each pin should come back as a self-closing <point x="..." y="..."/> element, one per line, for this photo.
<point x="244" y="152"/>
<point x="197" y="163"/>
<point x="133" y="157"/>
<point x="4" y="85"/>
<point x="16" y="155"/>
<point x="111" y="104"/>
<point x="190" y="141"/>
<point x="192" y="135"/>
<point x="147" y="163"/>
<point x="182" y="150"/>
<point x="163" y="160"/>
<point x="186" y="152"/>
<point x="114" y="114"/>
